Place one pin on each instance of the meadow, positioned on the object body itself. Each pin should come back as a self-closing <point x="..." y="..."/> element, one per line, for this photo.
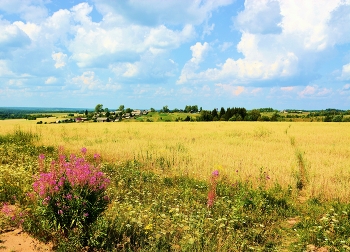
<point x="281" y="185"/>
<point x="240" y="150"/>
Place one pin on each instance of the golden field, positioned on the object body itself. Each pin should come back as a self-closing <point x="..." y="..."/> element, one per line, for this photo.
<point x="239" y="150"/>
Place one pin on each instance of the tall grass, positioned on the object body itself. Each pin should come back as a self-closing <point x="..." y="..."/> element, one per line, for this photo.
<point x="241" y="149"/>
<point x="157" y="207"/>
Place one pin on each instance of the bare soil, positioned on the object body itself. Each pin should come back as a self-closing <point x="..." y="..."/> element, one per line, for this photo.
<point x="19" y="241"/>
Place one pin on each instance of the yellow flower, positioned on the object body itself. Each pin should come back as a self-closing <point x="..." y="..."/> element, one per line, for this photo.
<point x="149" y="227"/>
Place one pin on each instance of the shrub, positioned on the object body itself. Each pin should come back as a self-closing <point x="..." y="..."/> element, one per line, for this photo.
<point x="68" y="199"/>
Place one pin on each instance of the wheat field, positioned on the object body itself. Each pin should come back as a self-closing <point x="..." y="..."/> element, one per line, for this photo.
<point x="275" y="152"/>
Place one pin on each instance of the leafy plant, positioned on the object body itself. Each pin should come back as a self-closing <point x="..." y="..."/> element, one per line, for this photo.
<point x="68" y="198"/>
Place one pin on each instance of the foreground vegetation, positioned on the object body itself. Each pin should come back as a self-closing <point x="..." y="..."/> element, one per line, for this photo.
<point x="150" y="212"/>
<point x="267" y="195"/>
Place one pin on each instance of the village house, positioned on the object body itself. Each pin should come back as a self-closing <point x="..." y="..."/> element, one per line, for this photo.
<point x="102" y="119"/>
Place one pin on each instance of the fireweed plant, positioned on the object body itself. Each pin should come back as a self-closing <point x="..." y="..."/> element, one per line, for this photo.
<point x="72" y="194"/>
<point x="212" y="188"/>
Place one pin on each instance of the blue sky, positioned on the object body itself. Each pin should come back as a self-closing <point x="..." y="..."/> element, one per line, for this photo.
<point x="151" y="53"/>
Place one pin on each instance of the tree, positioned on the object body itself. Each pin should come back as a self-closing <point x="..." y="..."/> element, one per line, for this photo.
<point x="222" y="113"/>
<point x="194" y="108"/>
<point x="121" y="108"/>
<point x="99" y="108"/>
<point x="214" y="113"/>
<point x="205" y="116"/>
<point x="254" y="115"/>
<point x="165" y="109"/>
<point x="86" y="112"/>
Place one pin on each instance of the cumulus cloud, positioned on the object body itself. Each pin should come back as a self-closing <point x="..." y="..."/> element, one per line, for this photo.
<point x="198" y="53"/>
<point x="60" y="59"/>
<point x="314" y="90"/>
<point x="279" y="41"/>
<point x="230" y="89"/>
<point x="345" y="73"/>
<point x="29" y="10"/>
<point x="12" y="36"/>
<point x="89" y="81"/>
<point x="259" y="17"/>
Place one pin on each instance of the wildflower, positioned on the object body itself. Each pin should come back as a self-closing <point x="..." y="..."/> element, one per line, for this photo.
<point x="83" y="150"/>
<point x="212" y="188"/>
<point x="86" y="214"/>
<point x="6" y="209"/>
<point x="215" y="173"/>
<point x="60" y="212"/>
<point x="211" y="198"/>
<point x="41" y="162"/>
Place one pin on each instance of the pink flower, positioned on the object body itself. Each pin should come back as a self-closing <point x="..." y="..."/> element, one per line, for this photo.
<point x="60" y="212"/>
<point x="41" y="156"/>
<point x="83" y="150"/>
<point x="215" y="173"/>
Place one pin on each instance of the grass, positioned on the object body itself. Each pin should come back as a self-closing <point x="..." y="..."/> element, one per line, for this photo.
<point x="162" y="211"/>
<point x="195" y="149"/>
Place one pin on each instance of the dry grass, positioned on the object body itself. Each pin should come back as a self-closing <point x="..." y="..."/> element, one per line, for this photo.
<point x="240" y="150"/>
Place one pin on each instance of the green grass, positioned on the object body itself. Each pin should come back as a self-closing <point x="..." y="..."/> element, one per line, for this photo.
<point x="165" y="117"/>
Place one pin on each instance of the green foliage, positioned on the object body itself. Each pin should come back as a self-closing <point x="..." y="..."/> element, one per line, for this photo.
<point x="155" y="212"/>
<point x="98" y="108"/>
<point x="68" y="199"/>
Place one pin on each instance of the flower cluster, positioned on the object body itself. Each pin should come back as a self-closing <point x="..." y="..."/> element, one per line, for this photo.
<point x="73" y="191"/>
<point x="77" y="172"/>
<point x="212" y="188"/>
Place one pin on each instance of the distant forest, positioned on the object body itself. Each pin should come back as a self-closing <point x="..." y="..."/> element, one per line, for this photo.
<point x="228" y="114"/>
<point x="30" y="113"/>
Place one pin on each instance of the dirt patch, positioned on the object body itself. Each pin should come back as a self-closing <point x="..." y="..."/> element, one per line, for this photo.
<point x="19" y="241"/>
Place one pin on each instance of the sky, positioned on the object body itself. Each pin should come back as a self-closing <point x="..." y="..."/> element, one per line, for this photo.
<point x="284" y="54"/>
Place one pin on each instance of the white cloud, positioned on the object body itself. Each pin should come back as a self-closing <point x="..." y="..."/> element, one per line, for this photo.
<point x="287" y="89"/>
<point x="51" y="80"/>
<point x="29" y="10"/>
<point x="225" y="46"/>
<point x="60" y="59"/>
<point x="345" y="73"/>
<point x="4" y="69"/>
<point x="230" y="89"/>
<point x="89" y="81"/>
<point x="259" y="17"/>
<point x="256" y="91"/>
<point x="86" y="81"/>
<point x="314" y="90"/>
<point x="280" y="39"/>
<point x="207" y="29"/>
<point x="12" y="36"/>
<point x="198" y="53"/>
